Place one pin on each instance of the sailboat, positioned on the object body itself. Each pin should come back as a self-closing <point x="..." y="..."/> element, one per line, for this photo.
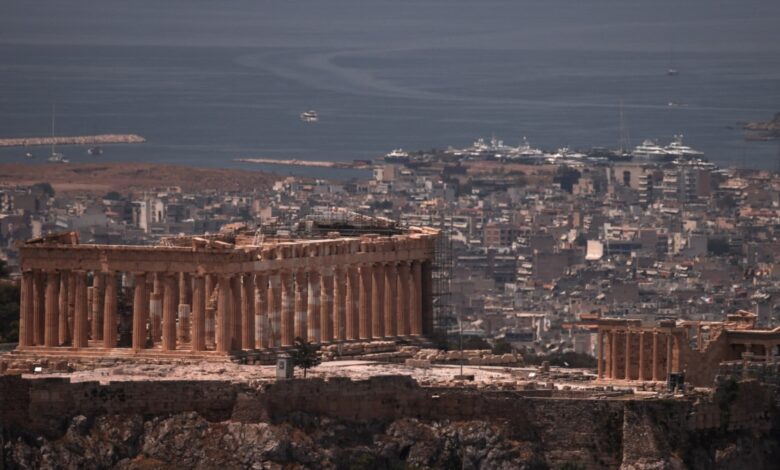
<point x="622" y="153"/>
<point x="55" y="156"/>
<point x="672" y="70"/>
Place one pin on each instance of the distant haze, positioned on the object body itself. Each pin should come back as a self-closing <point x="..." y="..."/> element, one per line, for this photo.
<point x="209" y="81"/>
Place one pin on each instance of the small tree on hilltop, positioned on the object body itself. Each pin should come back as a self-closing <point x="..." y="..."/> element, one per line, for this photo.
<point x="305" y="355"/>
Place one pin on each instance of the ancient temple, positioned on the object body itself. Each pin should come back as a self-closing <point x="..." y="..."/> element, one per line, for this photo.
<point x="627" y="350"/>
<point x="207" y="296"/>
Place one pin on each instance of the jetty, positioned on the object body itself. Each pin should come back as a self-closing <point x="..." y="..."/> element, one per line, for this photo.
<point x="357" y="164"/>
<point x="101" y="139"/>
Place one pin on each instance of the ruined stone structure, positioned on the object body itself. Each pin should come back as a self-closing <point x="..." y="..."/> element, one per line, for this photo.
<point x="628" y="350"/>
<point x="199" y="296"/>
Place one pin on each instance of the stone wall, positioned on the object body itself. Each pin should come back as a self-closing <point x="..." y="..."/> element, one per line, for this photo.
<point x="552" y="427"/>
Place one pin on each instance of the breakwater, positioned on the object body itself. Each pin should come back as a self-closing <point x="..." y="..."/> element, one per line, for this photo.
<point x="357" y="164"/>
<point x="73" y="140"/>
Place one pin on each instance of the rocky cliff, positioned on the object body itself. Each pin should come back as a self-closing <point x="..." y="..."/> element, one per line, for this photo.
<point x="382" y="423"/>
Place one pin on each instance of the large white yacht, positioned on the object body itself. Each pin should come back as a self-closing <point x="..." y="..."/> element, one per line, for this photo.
<point x="526" y="151"/>
<point x="677" y="149"/>
<point x="649" y="149"/>
<point x="396" y="154"/>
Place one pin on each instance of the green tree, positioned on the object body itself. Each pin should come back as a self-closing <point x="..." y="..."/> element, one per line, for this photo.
<point x="502" y="346"/>
<point x="474" y="342"/>
<point x="44" y="188"/>
<point x="305" y="355"/>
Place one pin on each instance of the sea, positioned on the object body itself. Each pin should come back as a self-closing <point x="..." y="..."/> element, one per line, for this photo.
<point x="207" y="82"/>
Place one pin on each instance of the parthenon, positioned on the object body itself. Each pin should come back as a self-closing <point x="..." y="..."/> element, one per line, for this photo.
<point x="205" y="296"/>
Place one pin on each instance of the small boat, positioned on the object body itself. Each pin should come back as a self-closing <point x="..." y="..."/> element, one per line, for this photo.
<point x="309" y="116"/>
<point x="672" y="72"/>
<point x="29" y="155"/>
<point x="57" y="157"/>
<point x="95" y="151"/>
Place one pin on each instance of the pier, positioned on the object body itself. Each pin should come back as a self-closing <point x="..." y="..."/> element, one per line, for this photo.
<point x="101" y="139"/>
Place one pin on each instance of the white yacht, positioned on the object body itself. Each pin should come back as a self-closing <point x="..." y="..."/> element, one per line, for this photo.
<point x="649" y="149"/>
<point x="309" y="116"/>
<point x="526" y="151"/>
<point x="679" y="150"/>
<point x="396" y="154"/>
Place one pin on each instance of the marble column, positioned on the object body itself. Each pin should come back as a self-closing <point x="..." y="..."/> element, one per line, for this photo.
<point x="613" y="340"/>
<point x="351" y="304"/>
<point x="274" y="310"/>
<point x="627" y="372"/>
<point x="140" y="313"/>
<point x="329" y="323"/>
<point x="63" y="330"/>
<point x="80" y="307"/>
<point x="98" y="304"/>
<point x="415" y="297"/>
<point x="288" y="309"/>
<point x="236" y="320"/>
<point x="184" y="308"/>
<point x="378" y="301"/>
<point x="223" y="313"/>
<point x="211" y="310"/>
<point x="198" y="312"/>
<point x="170" y="306"/>
<point x="156" y="307"/>
<point x="403" y="303"/>
<point x="655" y="356"/>
<point x="27" y="310"/>
<point x="71" y="304"/>
<point x="39" y="307"/>
<point x="339" y="304"/>
<point x="391" y="294"/>
<point x="600" y="354"/>
<point x="110" y="319"/>
<point x="51" y="333"/>
<point x="90" y="305"/>
<point x="261" y="311"/>
<point x="247" y="312"/>
<point x="641" y="355"/>
<point x="300" y="325"/>
<point x="365" y="294"/>
<point x="668" y="354"/>
<point x="313" y="308"/>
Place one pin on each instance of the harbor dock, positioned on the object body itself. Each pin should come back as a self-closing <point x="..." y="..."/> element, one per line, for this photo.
<point x="100" y="139"/>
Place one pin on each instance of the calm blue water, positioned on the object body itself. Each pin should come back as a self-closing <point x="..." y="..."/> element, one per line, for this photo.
<point x="206" y="82"/>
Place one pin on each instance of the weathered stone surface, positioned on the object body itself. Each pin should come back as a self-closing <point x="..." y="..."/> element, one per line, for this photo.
<point x="385" y="422"/>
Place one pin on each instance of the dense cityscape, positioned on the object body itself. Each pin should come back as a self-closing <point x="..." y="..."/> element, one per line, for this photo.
<point x="389" y="235"/>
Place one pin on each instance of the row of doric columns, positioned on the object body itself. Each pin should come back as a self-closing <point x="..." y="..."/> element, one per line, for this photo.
<point x="623" y="354"/>
<point x="226" y="312"/>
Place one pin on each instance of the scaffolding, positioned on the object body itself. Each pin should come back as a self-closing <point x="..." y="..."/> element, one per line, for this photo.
<point x="443" y="315"/>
